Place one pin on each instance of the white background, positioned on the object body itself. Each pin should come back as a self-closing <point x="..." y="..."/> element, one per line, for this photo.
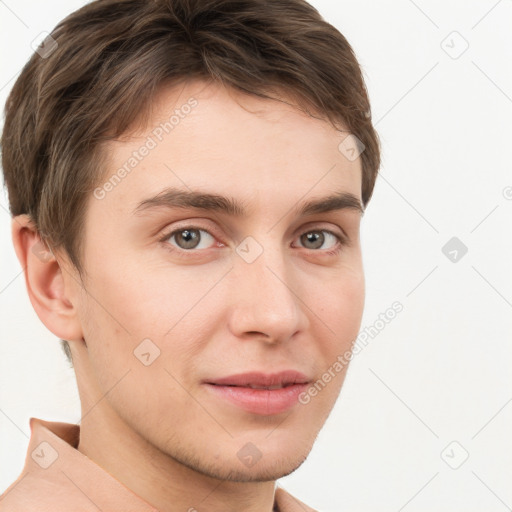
<point x="440" y="371"/>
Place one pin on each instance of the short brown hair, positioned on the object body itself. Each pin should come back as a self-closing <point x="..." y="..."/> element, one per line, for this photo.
<point x="111" y="57"/>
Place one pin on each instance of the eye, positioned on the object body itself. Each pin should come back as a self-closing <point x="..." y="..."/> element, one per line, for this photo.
<point x="192" y="238"/>
<point x="189" y="238"/>
<point x="316" y="238"/>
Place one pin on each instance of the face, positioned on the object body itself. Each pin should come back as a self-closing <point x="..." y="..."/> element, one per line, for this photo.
<point x="185" y="291"/>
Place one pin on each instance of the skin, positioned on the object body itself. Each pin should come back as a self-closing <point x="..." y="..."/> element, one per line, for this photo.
<point x="211" y="314"/>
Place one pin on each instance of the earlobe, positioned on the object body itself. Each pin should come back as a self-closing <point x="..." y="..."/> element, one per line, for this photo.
<point x="45" y="281"/>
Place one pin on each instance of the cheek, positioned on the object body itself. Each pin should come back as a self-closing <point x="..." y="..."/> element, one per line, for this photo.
<point x="341" y="308"/>
<point x="128" y="303"/>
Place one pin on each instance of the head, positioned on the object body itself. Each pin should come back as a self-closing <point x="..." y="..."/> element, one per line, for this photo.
<point x="190" y="166"/>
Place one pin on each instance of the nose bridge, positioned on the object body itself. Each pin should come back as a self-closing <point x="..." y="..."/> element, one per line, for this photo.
<point x="266" y="301"/>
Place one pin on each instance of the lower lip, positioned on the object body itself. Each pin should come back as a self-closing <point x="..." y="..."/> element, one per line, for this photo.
<point x="260" y="401"/>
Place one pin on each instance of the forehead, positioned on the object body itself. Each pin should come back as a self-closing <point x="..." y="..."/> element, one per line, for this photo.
<point x="206" y="137"/>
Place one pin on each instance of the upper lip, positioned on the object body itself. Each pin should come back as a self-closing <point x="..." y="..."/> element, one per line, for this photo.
<point x="260" y="379"/>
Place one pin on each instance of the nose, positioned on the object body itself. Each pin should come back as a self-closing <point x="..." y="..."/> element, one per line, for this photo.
<point x="266" y="299"/>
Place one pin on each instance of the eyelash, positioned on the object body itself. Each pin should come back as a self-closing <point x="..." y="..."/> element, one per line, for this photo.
<point x="332" y="252"/>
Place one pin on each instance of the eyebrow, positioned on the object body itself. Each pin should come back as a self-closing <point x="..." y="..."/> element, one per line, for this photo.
<point x="177" y="198"/>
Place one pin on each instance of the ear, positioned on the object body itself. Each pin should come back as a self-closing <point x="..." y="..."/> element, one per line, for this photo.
<point x="45" y="281"/>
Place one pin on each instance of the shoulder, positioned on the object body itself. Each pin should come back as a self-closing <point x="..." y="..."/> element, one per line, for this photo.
<point x="43" y="485"/>
<point x="37" y="492"/>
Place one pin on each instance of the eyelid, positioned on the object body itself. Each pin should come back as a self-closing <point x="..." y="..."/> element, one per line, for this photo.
<point x="342" y="239"/>
<point x="169" y="233"/>
<point x="322" y="226"/>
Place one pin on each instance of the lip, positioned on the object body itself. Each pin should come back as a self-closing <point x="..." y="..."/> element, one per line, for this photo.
<point x="262" y="379"/>
<point x="235" y="389"/>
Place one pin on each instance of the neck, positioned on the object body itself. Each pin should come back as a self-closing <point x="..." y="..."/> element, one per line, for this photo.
<point x="158" y="478"/>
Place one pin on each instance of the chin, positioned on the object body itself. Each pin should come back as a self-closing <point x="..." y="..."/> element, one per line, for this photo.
<point x="269" y="467"/>
<point x="262" y="471"/>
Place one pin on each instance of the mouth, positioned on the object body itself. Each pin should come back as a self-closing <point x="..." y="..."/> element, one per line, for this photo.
<point x="258" y="393"/>
<point x="255" y="386"/>
<point x="252" y="386"/>
<point x="259" y="380"/>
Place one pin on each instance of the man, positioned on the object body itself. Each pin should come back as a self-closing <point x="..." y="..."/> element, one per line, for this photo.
<point x="187" y="181"/>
